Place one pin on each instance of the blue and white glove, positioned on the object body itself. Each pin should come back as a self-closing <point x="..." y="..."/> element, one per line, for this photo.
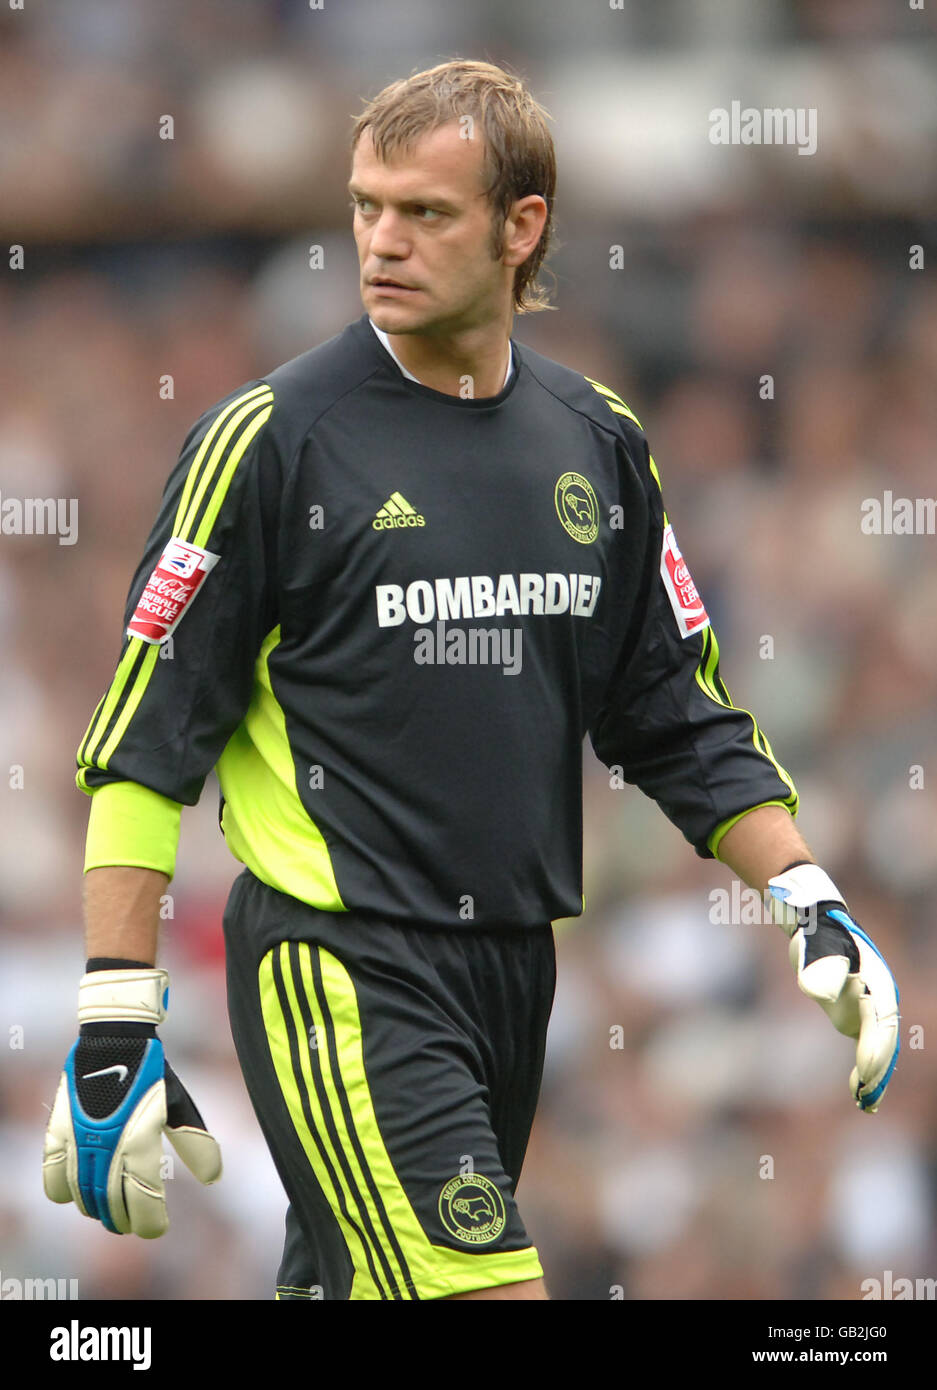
<point x="117" y="1094"/>
<point x="843" y="969"/>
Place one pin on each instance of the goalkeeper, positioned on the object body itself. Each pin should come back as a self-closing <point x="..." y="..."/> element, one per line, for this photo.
<point x="408" y="814"/>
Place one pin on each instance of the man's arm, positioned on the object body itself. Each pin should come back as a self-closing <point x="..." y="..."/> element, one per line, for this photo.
<point x="671" y="726"/>
<point x="154" y="736"/>
<point x="666" y="720"/>
<point x="122" y="912"/>
<point x="762" y="844"/>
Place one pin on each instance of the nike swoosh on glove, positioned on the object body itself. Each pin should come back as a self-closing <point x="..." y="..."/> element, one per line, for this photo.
<point x="116" y="1097"/>
<point x="840" y="967"/>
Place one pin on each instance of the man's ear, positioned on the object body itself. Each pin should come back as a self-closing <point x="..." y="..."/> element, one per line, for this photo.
<point x="523" y="228"/>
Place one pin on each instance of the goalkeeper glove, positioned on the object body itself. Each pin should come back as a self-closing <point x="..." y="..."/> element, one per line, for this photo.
<point x="117" y="1094"/>
<point x="843" y="969"/>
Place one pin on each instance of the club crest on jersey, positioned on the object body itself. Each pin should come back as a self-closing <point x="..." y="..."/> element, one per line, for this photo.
<point x="577" y="507"/>
<point x="170" y="589"/>
<point x="684" y="596"/>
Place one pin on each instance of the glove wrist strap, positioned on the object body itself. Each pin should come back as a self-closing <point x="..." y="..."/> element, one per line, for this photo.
<point x="123" y="996"/>
<point x="799" y="888"/>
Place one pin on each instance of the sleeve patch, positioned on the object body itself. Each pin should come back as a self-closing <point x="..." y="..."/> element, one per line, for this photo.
<point x="170" y="589"/>
<point x="684" y="596"/>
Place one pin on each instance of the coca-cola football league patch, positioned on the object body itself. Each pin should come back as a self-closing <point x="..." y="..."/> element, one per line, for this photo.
<point x="684" y="596"/>
<point x="170" y="589"/>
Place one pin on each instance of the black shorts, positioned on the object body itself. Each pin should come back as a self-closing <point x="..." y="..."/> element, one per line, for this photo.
<point x="395" y="1072"/>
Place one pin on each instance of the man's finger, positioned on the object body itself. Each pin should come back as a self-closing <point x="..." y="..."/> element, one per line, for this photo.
<point x="55" y="1157"/>
<point x="824" y="979"/>
<point x="199" y="1152"/>
<point x="876" y="1055"/>
<point x="135" y="1198"/>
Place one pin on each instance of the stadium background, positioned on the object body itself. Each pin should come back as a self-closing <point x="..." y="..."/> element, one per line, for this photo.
<point x="190" y="257"/>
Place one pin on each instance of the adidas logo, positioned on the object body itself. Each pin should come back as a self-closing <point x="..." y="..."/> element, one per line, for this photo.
<point x="397" y="512"/>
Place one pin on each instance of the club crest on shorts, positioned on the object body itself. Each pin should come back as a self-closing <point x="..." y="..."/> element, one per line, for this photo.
<point x="684" y="596"/>
<point x="472" y="1209"/>
<point x="576" y="507"/>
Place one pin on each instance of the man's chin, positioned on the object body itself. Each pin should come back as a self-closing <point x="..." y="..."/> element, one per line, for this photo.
<point x="398" y="317"/>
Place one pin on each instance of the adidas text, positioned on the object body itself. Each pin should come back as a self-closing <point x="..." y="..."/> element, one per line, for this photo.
<point x="390" y="523"/>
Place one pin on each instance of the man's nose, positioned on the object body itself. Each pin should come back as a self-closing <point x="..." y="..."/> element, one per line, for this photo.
<point x="388" y="236"/>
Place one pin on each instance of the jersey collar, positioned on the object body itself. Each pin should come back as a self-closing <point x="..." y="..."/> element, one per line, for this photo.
<point x="385" y="343"/>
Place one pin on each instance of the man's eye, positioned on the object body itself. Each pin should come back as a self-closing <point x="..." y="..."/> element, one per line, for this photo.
<point x="361" y="204"/>
<point x="428" y="214"/>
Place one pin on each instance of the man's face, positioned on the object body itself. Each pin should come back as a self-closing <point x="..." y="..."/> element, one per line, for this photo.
<point x="423" y="221"/>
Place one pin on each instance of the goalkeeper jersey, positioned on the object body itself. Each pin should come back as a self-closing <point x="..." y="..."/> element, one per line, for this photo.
<point x="388" y="617"/>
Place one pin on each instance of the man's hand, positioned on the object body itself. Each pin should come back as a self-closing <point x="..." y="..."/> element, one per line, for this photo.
<point x="842" y="968"/>
<point x="117" y="1094"/>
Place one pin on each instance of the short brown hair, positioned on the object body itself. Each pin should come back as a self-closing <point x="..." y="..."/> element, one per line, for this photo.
<point x="519" y="154"/>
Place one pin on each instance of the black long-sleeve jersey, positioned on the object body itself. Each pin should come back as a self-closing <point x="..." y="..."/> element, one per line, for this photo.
<point x="389" y="616"/>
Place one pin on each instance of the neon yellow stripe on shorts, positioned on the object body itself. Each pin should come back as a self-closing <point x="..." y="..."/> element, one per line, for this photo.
<point x="435" y="1271"/>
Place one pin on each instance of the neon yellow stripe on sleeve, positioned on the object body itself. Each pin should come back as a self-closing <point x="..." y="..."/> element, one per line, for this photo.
<point x="224" y="482"/>
<point x="715" y="838"/>
<point x="706" y="675"/>
<point x="614" y="401"/>
<point x="253" y="395"/>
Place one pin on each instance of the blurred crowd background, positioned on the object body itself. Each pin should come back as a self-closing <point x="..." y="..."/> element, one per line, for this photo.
<point x="713" y="1151"/>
